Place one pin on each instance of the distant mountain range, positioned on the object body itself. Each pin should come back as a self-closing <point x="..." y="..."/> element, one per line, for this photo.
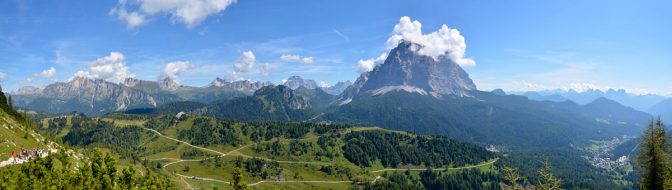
<point x="421" y="94"/>
<point x="408" y="91"/>
<point x="651" y="103"/>
<point x="98" y="97"/>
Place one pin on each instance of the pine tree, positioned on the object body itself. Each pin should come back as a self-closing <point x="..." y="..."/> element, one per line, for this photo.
<point x="9" y="103"/>
<point x="238" y="183"/>
<point x="547" y="181"/>
<point x="652" y="161"/>
<point x="511" y="175"/>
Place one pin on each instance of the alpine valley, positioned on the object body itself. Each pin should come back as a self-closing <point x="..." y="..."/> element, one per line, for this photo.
<point x="335" y="95"/>
<point x="348" y="133"/>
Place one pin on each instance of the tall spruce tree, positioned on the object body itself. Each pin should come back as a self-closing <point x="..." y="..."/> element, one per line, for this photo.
<point x="653" y="161"/>
<point x="547" y="181"/>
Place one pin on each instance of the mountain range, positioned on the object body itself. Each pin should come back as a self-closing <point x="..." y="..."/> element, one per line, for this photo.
<point x="98" y="97"/>
<point x="639" y="102"/>
<point x="408" y="91"/>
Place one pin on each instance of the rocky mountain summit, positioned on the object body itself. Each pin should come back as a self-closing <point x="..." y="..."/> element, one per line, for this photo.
<point x="405" y="69"/>
<point x="338" y="88"/>
<point x="89" y="96"/>
<point x="295" y="82"/>
<point x="242" y="85"/>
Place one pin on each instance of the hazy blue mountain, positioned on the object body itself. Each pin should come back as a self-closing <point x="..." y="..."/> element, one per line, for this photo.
<point x="416" y="93"/>
<point x="338" y="88"/>
<point x="491" y="119"/>
<point x="538" y="97"/>
<point x="639" y="102"/>
<point x="498" y="92"/>
<point x="295" y="82"/>
<point x="663" y="109"/>
<point x="318" y="98"/>
<point x="606" y="110"/>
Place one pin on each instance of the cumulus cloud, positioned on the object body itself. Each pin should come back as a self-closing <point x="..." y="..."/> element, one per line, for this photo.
<point x="296" y="58"/>
<point x="133" y="19"/>
<point x="369" y="64"/>
<point x="49" y="73"/>
<point x="172" y="70"/>
<point x="45" y="74"/>
<point x="188" y="12"/>
<point x="111" y="68"/>
<point x="266" y="70"/>
<point x="243" y="65"/>
<point x="3" y="75"/>
<point x="443" y="42"/>
<point x="246" y="62"/>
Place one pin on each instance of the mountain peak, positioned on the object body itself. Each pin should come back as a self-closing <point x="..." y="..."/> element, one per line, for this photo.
<point x="405" y="68"/>
<point x="295" y="82"/>
<point x="27" y="90"/>
<point x="242" y="85"/>
<point x="169" y="84"/>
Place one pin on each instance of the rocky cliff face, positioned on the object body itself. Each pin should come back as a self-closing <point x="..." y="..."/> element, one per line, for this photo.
<point x="27" y="90"/>
<point x="338" y="88"/>
<point x="405" y="69"/>
<point x="92" y="97"/>
<point x="295" y="82"/>
<point x="242" y="85"/>
<point x="169" y="84"/>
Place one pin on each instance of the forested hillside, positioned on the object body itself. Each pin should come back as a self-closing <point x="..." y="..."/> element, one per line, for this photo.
<point x="268" y="153"/>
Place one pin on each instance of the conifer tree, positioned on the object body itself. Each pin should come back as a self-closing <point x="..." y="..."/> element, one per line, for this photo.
<point x="511" y="175"/>
<point x="238" y="183"/>
<point x="653" y="161"/>
<point x="547" y="181"/>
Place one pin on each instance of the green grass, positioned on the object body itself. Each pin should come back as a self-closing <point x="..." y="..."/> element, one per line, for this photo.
<point x="12" y="137"/>
<point x="161" y="150"/>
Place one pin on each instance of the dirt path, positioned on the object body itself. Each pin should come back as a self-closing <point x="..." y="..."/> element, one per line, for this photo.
<point x="264" y="181"/>
<point x="183" y="142"/>
<point x="438" y="169"/>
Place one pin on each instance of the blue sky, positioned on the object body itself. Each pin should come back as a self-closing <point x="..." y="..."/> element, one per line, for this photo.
<point x="517" y="45"/>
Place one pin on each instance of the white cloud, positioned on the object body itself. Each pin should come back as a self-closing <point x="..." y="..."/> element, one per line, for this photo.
<point x="133" y="19"/>
<point x="323" y="84"/>
<point x="3" y="75"/>
<point x="189" y="12"/>
<point x="45" y="74"/>
<point x="369" y="64"/>
<point x="307" y="60"/>
<point x="296" y="58"/>
<point x="244" y="65"/>
<point x="266" y="70"/>
<point x="172" y="70"/>
<point x="49" y="73"/>
<point x="290" y="57"/>
<point x="234" y="76"/>
<point x="443" y="42"/>
<point x="246" y="62"/>
<point x="111" y="68"/>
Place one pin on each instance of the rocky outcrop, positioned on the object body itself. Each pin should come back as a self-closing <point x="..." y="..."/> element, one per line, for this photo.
<point x="338" y="88"/>
<point x="405" y="69"/>
<point x="241" y="85"/>
<point x="295" y="82"/>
